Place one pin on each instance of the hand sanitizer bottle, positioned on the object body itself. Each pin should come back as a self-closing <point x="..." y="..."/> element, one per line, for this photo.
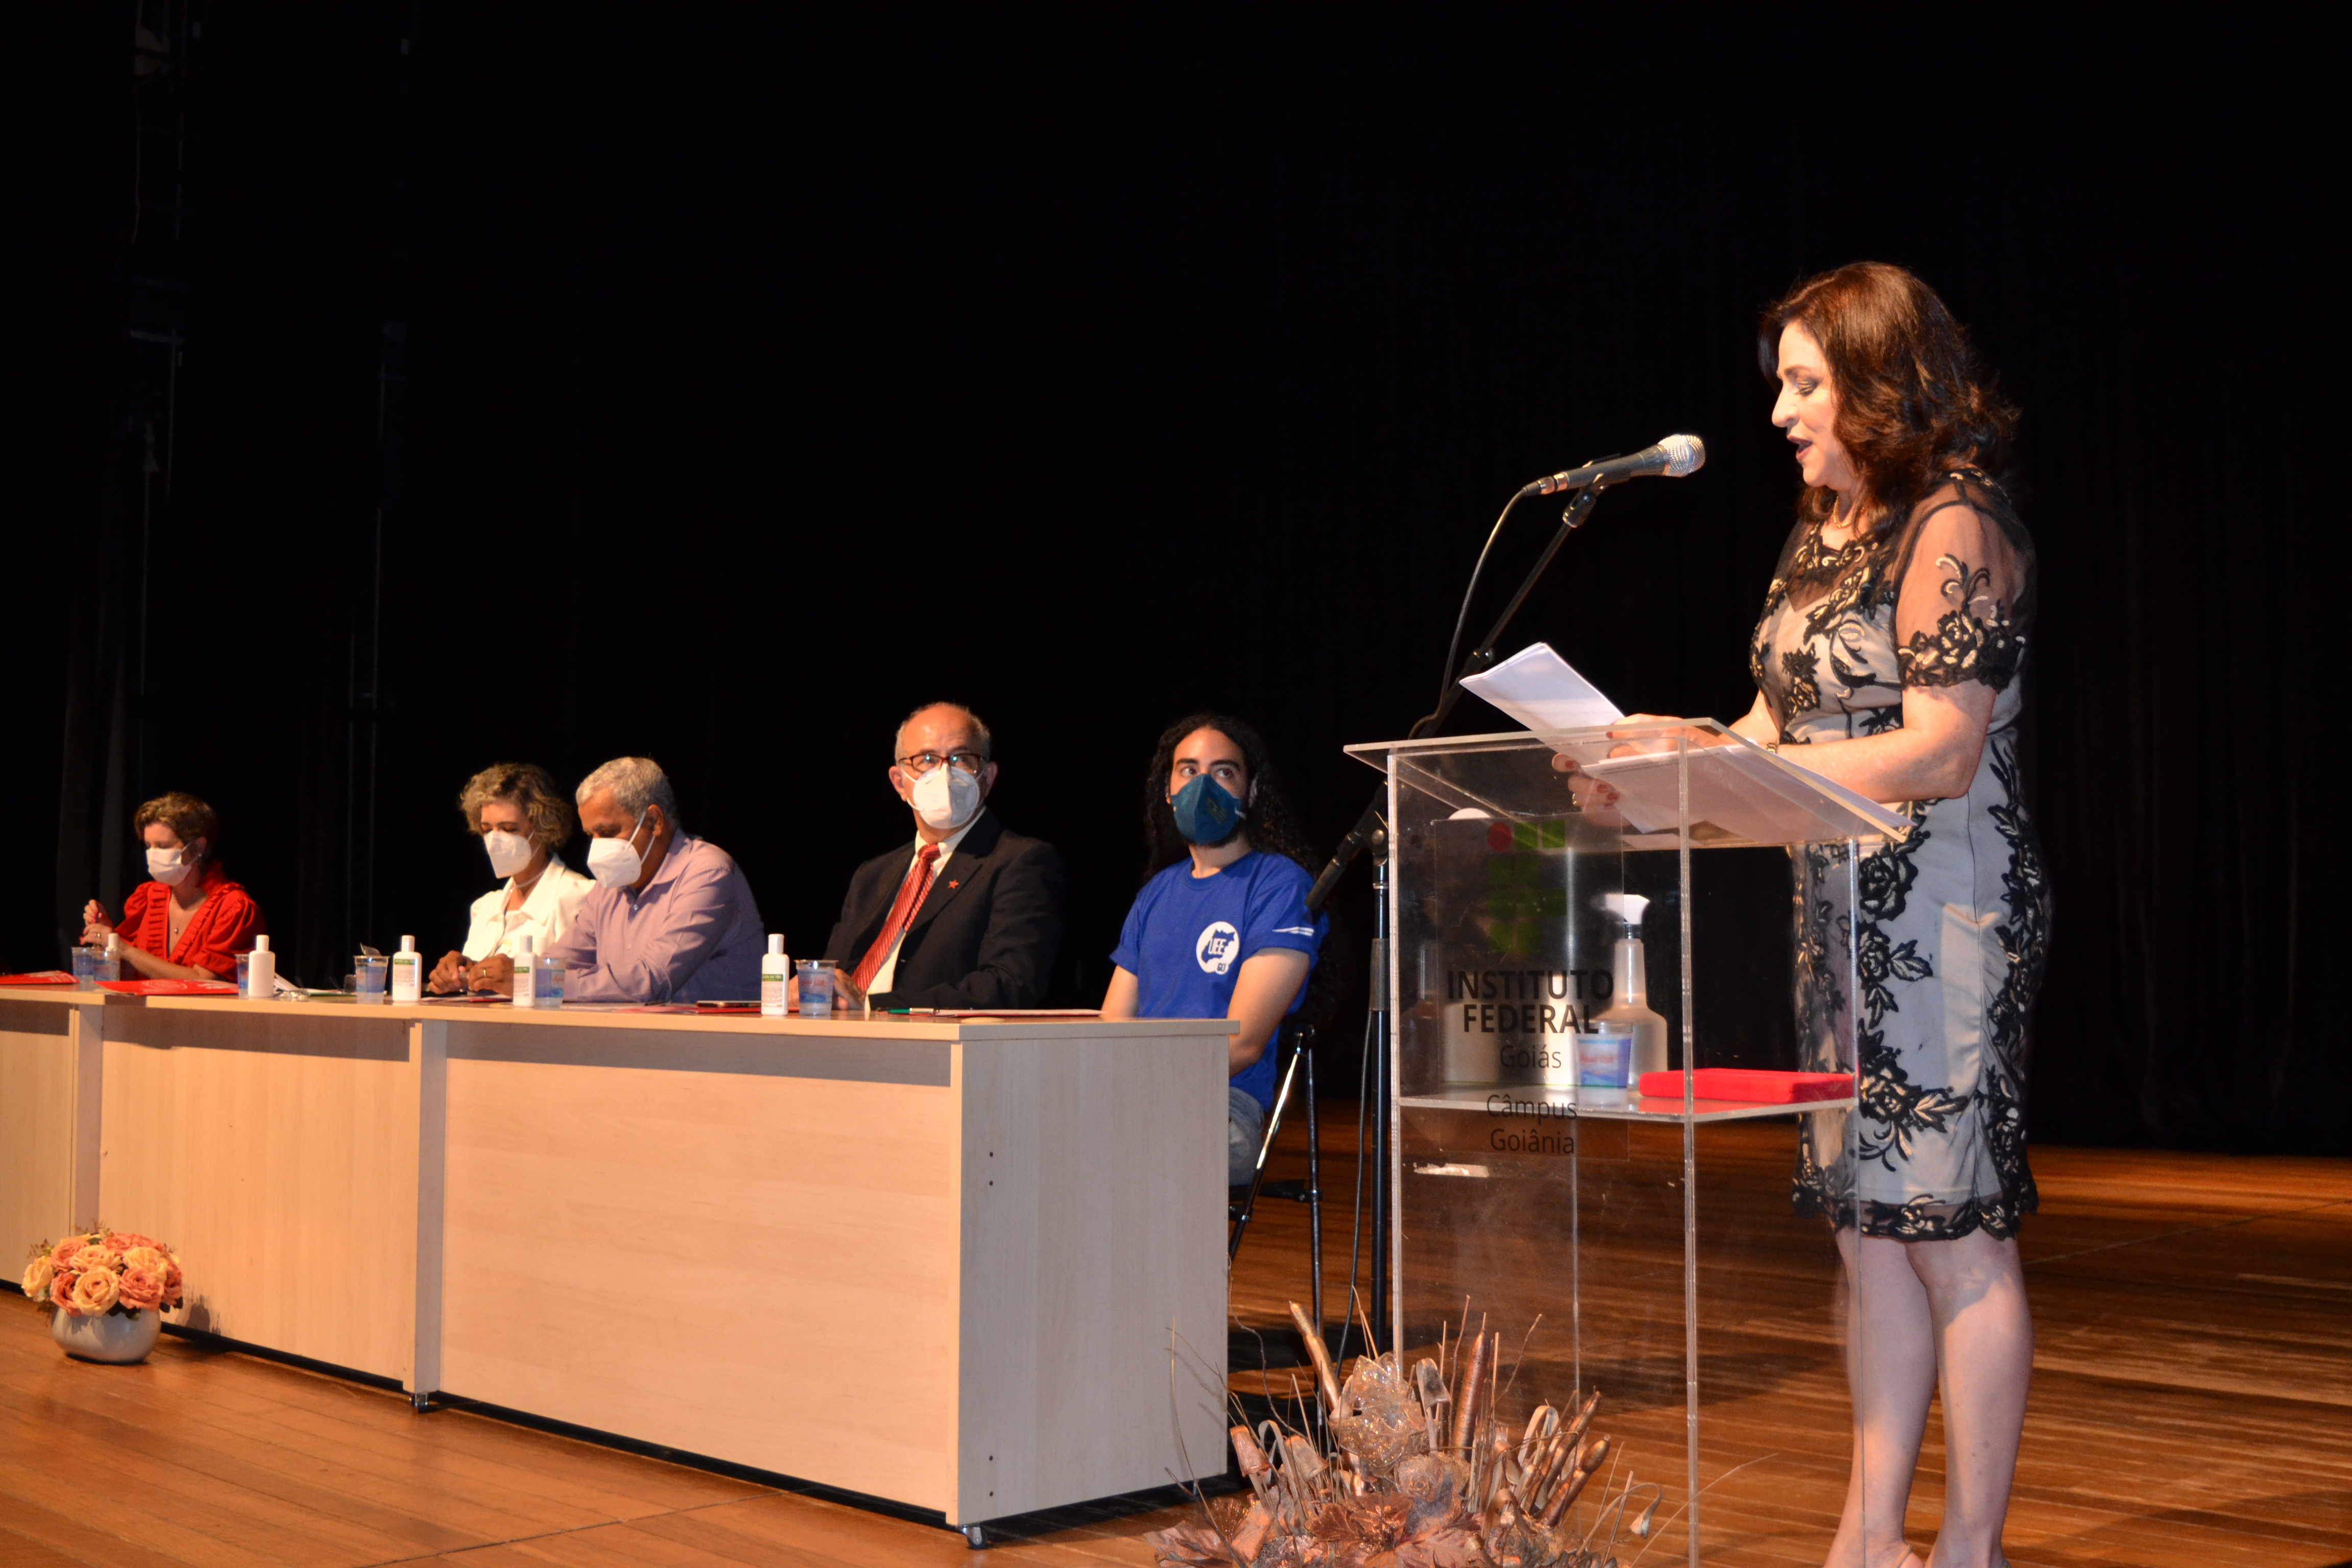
<point x="775" y="972"/>
<point x="408" y="972"/>
<point x="526" y="975"/>
<point x="261" y="972"/>
<point x="1629" y="996"/>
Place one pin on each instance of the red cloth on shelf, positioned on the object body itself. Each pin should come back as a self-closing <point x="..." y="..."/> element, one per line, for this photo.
<point x="1753" y="1086"/>
<point x="224" y="925"/>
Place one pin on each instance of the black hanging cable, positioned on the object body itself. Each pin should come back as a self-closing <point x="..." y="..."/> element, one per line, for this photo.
<point x="1453" y="672"/>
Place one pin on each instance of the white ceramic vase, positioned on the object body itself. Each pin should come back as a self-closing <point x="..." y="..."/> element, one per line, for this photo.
<point x="106" y="1336"/>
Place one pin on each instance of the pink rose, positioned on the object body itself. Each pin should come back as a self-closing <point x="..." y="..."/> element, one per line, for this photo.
<point x="62" y="1254"/>
<point x="95" y="1291"/>
<point x="124" y="1241"/>
<point x="37" y="1274"/>
<point x="153" y="1257"/>
<point x="172" y="1286"/>
<point x="61" y="1290"/>
<point x="139" y="1288"/>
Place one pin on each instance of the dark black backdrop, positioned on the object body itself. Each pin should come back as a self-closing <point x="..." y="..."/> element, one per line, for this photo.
<point x="556" y="385"/>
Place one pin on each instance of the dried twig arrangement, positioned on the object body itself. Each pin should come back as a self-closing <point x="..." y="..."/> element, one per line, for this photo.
<point x="1415" y="1476"/>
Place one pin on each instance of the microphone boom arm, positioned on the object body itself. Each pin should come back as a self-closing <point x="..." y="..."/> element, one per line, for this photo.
<point x="1369" y="826"/>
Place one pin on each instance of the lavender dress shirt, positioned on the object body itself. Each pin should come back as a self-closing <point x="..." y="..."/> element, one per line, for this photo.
<point x="692" y="935"/>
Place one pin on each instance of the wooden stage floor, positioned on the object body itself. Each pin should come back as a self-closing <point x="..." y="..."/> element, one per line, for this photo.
<point x="2192" y="1405"/>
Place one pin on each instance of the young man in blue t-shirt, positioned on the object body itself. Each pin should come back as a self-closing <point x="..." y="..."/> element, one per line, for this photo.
<point x="1222" y="930"/>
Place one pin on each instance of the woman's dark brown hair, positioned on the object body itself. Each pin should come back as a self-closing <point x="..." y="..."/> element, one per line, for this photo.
<point x="1914" y="403"/>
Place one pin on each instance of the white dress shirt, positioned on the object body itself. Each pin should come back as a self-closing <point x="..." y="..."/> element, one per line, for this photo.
<point x="551" y="906"/>
<point x="890" y="970"/>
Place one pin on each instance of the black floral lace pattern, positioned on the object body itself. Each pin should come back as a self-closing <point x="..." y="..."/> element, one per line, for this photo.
<point x="1963" y="645"/>
<point x="1946" y="931"/>
<point x="1797" y="667"/>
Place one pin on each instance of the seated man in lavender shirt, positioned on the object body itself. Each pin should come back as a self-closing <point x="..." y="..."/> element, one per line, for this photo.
<point x="671" y="917"/>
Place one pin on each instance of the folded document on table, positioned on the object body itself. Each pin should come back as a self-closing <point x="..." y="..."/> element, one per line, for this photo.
<point x="1743" y="793"/>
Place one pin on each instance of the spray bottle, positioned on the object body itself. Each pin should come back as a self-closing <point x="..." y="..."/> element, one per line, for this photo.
<point x="1629" y="996"/>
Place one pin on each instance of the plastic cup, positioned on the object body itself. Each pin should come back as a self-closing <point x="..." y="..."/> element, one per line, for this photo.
<point x="1604" y="1064"/>
<point x="816" y="987"/>
<point x="86" y="968"/>
<point x="368" y="975"/>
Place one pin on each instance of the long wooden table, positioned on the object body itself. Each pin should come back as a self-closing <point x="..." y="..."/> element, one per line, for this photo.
<point x="936" y="1262"/>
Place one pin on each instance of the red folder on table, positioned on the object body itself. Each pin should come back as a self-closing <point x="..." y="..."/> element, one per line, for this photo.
<point x="170" y="987"/>
<point x="1752" y="1086"/>
<point x="38" y="977"/>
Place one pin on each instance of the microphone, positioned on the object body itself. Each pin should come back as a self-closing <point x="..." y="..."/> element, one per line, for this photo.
<point x="1674" y="457"/>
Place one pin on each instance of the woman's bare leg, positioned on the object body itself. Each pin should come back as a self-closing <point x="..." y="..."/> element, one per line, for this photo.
<point x="1891" y="1369"/>
<point x="1984" y="1352"/>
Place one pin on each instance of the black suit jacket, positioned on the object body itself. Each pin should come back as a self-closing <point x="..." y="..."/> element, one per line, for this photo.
<point x="986" y="934"/>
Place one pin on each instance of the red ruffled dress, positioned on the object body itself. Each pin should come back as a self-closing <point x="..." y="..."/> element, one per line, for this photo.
<point x="224" y="925"/>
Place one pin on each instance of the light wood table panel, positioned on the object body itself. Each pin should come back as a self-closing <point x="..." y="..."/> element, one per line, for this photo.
<point x="933" y="1261"/>
<point x="274" y="1145"/>
<point x="732" y="1263"/>
<point x="50" y="1041"/>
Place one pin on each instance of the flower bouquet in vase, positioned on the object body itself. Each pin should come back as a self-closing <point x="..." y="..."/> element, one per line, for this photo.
<point x="107" y="1291"/>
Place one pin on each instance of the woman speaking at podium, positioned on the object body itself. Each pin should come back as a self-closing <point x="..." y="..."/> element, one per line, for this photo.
<point x="1888" y="659"/>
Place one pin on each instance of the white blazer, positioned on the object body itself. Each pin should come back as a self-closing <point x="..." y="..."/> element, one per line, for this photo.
<point x="553" y="903"/>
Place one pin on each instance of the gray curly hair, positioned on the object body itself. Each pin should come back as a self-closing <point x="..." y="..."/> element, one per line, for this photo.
<point x="636" y="783"/>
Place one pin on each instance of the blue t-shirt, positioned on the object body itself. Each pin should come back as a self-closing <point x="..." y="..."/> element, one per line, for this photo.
<point x="1187" y="938"/>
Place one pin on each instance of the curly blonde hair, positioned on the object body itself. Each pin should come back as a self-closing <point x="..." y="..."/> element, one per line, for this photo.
<point x="531" y="787"/>
<point x="183" y="814"/>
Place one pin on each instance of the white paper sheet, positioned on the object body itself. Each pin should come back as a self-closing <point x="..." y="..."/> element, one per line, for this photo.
<point x="1541" y="691"/>
<point x="1747" y="794"/>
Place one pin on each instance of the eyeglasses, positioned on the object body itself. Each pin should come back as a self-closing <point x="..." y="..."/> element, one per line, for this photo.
<point x="922" y="762"/>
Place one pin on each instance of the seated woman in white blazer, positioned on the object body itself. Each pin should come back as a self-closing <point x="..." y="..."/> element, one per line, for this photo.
<point x="522" y="817"/>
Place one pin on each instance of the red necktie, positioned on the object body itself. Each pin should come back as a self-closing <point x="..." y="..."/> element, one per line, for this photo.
<point x="910" y="900"/>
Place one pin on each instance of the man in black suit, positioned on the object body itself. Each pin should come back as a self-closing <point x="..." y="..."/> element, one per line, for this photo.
<point x="969" y="915"/>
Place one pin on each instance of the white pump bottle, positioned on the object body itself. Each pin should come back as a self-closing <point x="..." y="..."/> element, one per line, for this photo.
<point x="775" y="974"/>
<point x="261" y="972"/>
<point x="408" y="972"/>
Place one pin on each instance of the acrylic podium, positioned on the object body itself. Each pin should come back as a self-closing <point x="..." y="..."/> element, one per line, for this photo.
<point x="1647" y="1246"/>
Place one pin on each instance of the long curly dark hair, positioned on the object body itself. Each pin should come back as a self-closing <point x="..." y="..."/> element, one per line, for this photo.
<point x="1914" y="401"/>
<point x="1269" y="822"/>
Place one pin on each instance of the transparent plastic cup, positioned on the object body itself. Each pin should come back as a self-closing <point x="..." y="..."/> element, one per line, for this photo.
<point x="88" y="967"/>
<point x="816" y="987"/>
<point x="369" y="972"/>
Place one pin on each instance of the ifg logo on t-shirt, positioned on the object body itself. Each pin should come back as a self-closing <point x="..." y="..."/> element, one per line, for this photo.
<point x="1219" y="942"/>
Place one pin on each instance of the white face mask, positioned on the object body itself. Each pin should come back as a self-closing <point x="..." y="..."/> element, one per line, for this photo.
<point x="169" y="866"/>
<point x="946" y="798"/>
<point x="615" y="862"/>
<point x="509" y="852"/>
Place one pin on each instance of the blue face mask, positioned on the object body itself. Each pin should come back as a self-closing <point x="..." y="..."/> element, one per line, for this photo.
<point x="1206" y="812"/>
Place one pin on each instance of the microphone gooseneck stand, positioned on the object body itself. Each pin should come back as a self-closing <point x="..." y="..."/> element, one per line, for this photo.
<point x="1371" y="832"/>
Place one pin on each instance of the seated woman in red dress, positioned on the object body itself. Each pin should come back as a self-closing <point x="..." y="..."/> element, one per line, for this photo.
<point x="190" y="922"/>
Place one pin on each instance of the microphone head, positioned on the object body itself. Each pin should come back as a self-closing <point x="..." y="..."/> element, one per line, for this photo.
<point x="1684" y="455"/>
